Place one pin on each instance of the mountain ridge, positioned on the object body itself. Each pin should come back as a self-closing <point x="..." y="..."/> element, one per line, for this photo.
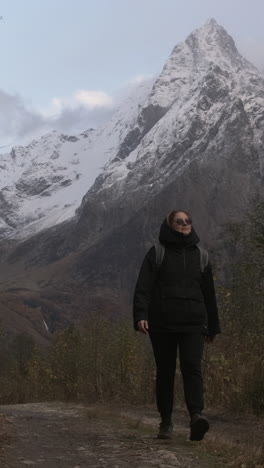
<point x="43" y="183"/>
<point x="195" y="141"/>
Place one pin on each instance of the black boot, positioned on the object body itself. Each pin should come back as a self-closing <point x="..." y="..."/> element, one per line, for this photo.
<point x="199" y="426"/>
<point x="165" y="429"/>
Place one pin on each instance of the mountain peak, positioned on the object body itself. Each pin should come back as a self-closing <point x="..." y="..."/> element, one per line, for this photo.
<point x="211" y="21"/>
<point x="211" y="39"/>
<point x="212" y="24"/>
<point x="205" y="49"/>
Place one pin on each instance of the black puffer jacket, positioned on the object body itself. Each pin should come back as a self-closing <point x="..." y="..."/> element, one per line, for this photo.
<point x="176" y="297"/>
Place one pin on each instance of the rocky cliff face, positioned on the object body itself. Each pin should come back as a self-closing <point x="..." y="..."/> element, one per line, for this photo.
<point x="42" y="184"/>
<point x="199" y="139"/>
<point x="195" y="141"/>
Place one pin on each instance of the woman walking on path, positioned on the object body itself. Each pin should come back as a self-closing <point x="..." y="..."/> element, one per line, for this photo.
<point x="175" y="303"/>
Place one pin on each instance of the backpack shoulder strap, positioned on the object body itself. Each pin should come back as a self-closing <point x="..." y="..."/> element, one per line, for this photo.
<point x="203" y="258"/>
<point x="160" y="251"/>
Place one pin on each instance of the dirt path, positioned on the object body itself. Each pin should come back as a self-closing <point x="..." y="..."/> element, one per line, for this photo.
<point x="54" y="435"/>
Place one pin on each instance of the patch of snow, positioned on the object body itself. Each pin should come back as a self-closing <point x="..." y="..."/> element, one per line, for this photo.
<point x="44" y="183"/>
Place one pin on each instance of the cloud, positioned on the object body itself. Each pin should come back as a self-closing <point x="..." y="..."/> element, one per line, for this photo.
<point x="20" y="123"/>
<point x="139" y="79"/>
<point x="16" y="119"/>
<point x="92" y="99"/>
<point x="77" y="119"/>
<point x="87" y="99"/>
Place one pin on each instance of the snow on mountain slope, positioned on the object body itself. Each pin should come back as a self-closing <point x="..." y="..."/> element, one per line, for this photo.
<point x="43" y="183"/>
<point x="204" y="87"/>
<point x="190" y="59"/>
<point x="195" y="139"/>
<point x="207" y="104"/>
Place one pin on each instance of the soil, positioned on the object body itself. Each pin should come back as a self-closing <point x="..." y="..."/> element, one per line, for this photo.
<point x="59" y="435"/>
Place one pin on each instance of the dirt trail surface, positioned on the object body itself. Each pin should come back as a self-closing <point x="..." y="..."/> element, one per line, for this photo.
<point x="57" y="435"/>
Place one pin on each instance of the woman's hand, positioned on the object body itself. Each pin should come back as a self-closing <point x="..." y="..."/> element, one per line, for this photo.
<point x="143" y="326"/>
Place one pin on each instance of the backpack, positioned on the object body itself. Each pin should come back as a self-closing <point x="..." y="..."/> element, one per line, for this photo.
<point x="160" y="251"/>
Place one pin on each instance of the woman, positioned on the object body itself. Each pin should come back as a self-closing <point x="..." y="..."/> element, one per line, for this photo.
<point x="175" y="303"/>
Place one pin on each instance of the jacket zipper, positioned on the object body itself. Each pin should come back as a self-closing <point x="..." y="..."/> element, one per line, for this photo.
<point x="184" y="268"/>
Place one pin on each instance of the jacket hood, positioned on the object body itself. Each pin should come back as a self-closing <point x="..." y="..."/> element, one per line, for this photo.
<point x="168" y="236"/>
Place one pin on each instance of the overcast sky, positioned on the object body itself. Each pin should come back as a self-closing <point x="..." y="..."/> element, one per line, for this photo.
<point x="64" y="62"/>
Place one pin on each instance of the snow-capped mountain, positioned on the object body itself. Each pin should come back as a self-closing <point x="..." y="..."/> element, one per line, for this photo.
<point x="43" y="183"/>
<point x="205" y="88"/>
<point x="199" y="131"/>
<point x="192" y="139"/>
<point x="204" y="81"/>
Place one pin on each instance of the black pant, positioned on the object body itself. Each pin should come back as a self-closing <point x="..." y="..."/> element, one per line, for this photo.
<point x="165" y="351"/>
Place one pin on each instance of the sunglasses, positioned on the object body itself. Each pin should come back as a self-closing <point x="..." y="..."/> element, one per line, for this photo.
<point x="182" y="222"/>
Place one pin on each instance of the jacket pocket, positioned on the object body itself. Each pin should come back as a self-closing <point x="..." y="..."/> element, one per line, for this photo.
<point x="182" y="306"/>
<point x="179" y="292"/>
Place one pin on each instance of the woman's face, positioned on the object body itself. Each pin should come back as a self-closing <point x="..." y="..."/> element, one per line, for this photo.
<point x="182" y="223"/>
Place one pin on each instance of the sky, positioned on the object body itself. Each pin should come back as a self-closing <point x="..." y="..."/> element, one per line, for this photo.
<point x="65" y="64"/>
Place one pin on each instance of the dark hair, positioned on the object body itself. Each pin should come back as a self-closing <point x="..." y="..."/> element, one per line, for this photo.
<point x="171" y="215"/>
